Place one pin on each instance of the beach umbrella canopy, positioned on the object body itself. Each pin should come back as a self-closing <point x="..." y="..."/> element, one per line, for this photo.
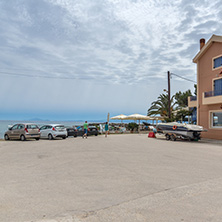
<point x="149" y="118"/>
<point x="121" y="117"/>
<point x="137" y="116"/>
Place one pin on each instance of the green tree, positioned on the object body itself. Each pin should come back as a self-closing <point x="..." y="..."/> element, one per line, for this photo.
<point x="160" y="106"/>
<point x="195" y="89"/>
<point x="182" y="98"/>
<point x="132" y="126"/>
<point x="179" y="104"/>
<point x="182" y="114"/>
<point x="182" y="110"/>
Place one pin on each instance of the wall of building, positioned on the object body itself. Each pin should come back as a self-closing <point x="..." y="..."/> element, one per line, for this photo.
<point x="206" y="74"/>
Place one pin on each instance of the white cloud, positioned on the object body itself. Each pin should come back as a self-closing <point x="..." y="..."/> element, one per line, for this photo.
<point x="125" y="42"/>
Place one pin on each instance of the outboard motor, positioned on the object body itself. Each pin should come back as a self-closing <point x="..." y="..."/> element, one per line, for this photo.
<point x="196" y="135"/>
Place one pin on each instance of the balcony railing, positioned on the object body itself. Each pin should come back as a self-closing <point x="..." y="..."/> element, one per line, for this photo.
<point x="193" y="98"/>
<point x="213" y="93"/>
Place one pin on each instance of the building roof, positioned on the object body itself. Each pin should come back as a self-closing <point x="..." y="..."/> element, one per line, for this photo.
<point x="214" y="38"/>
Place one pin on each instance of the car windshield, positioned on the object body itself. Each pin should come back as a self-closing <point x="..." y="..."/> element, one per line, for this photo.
<point x="32" y="126"/>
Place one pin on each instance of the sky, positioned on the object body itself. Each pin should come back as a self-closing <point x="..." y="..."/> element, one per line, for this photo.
<point x="79" y="60"/>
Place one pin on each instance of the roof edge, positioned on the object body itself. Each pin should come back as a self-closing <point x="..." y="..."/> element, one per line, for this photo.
<point x="214" y="38"/>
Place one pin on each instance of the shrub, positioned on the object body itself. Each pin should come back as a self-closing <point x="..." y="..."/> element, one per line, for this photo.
<point x="132" y="126"/>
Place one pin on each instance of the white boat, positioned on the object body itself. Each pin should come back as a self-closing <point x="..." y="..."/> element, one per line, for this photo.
<point x="174" y="130"/>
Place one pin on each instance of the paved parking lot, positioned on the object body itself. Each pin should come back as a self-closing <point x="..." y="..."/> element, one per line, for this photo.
<point x="119" y="178"/>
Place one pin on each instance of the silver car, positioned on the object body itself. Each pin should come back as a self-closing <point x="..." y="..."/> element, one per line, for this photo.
<point x="53" y="131"/>
<point x="23" y="131"/>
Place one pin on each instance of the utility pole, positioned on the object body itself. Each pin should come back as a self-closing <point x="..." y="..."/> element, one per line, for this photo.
<point x="169" y="103"/>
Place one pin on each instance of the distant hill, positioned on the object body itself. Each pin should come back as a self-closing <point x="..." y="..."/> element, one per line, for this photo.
<point x="38" y="119"/>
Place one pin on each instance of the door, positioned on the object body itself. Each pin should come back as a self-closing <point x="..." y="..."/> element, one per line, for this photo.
<point x="43" y="131"/>
<point x="14" y="132"/>
<point x="49" y="131"/>
<point x="20" y="131"/>
<point x="218" y="87"/>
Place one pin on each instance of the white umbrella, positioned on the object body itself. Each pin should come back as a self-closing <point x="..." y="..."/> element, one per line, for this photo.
<point x="121" y="116"/>
<point x="137" y="116"/>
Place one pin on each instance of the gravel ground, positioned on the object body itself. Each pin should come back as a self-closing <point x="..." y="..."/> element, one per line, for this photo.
<point x="119" y="178"/>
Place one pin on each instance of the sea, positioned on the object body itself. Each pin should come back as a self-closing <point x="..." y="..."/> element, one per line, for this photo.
<point x="4" y="124"/>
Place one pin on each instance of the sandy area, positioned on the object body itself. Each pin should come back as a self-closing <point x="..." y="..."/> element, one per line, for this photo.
<point x="119" y="178"/>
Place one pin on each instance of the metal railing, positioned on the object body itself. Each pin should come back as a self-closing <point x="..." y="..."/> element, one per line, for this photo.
<point x="213" y="93"/>
<point x="193" y="98"/>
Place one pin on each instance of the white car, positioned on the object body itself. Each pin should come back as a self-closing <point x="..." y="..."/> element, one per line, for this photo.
<point x="53" y="131"/>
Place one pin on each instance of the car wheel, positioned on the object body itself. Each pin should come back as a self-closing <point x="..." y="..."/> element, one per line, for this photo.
<point x="6" y="137"/>
<point x="64" y="137"/>
<point x="50" y="137"/>
<point x="96" y="134"/>
<point x="37" y="138"/>
<point x="22" y="138"/>
<point x="167" y="137"/>
<point x="75" y="136"/>
<point x="173" y="138"/>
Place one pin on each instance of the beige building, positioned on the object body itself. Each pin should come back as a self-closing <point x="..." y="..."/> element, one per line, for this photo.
<point x="209" y="87"/>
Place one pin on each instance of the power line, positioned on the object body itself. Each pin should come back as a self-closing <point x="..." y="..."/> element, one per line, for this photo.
<point x="183" y="78"/>
<point x="57" y="77"/>
<point x="35" y="76"/>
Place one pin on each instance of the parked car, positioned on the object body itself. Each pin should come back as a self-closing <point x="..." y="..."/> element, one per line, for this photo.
<point x="23" y="131"/>
<point x="53" y="131"/>
<point x="71" y="131"/>
<point x="92" y="131"/>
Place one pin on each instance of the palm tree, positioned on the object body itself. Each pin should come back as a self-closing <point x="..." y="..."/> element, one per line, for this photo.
<point x="182" y="103"/>
<point x="160" y="107"/>
<point x="182" y="98"/>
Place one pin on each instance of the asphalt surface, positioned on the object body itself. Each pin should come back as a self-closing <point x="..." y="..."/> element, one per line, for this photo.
<point x="119" y="178"/>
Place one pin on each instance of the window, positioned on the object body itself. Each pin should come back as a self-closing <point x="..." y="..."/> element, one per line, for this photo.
<point x="218" y="87"/>
<point x="218" y="62"/>
<point x="43" y="128"/>
<point x="32" y="127"/>
<point x="21" y="127"/>
<point x="15" y="127"/>
<point x="60" y="127"/>
<point x="216" y="119"/>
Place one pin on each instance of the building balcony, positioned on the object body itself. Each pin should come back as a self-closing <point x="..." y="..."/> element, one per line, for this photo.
<point x="192" y="101"/>
<point x="212" y="97"/>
